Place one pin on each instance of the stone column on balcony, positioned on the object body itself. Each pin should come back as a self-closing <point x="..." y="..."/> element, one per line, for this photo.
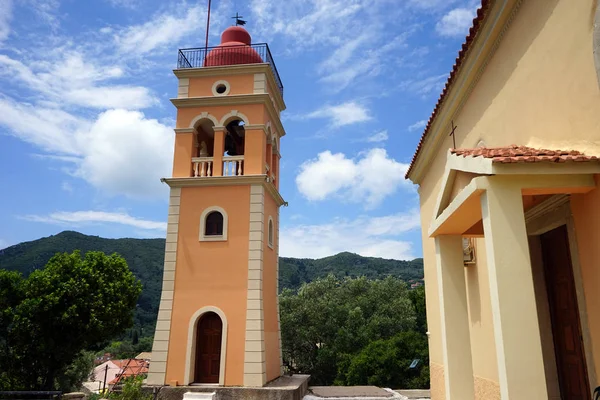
<point x="218" y="150"/>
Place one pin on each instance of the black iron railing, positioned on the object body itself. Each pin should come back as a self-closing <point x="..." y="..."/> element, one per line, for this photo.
<point x="30" y="395"/>
<point x="228" y="55"/>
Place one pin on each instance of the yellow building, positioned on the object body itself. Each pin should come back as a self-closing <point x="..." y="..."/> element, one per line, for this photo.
<point x="218" y="320"/>
<point x="511" y="231"/>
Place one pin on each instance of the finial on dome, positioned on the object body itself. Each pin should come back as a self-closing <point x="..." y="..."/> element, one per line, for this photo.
<point x="239" y="20"/>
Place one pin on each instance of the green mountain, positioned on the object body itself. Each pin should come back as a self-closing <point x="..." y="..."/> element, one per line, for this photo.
<point x="145" y="258"/>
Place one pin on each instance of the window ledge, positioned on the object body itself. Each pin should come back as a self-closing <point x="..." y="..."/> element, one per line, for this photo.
<point x="213" y="238"/>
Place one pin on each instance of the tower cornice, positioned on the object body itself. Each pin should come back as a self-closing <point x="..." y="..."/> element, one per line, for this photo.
<point x="232" y="100"/>
<point x="226" y="181"/>
<point x="241" y="69"/>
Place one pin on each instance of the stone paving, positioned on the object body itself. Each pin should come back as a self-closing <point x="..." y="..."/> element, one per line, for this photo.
<point x="363" y="393"/>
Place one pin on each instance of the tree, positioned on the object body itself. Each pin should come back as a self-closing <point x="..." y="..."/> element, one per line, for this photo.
<point x="417" y="297"/>
<point x="330" y="320"/>
<point x="386" y="363"/>
<point x="70" y="305"/>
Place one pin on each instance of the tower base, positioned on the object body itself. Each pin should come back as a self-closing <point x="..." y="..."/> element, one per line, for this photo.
<point x="283" y="388"/>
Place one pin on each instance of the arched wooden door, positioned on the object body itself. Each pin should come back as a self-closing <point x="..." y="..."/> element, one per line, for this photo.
<point x="208" y="348"/>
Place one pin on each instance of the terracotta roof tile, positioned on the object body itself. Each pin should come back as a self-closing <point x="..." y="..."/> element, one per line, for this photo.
<point x="477" y="23"/>
<point x="522" y="154"/>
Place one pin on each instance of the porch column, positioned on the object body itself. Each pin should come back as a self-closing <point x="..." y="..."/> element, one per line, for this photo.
<point x="516" y="330"/>
<point x="456" y="339"/>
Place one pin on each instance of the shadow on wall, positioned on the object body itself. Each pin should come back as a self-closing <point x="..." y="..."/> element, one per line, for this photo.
<point x="595" y="24"/>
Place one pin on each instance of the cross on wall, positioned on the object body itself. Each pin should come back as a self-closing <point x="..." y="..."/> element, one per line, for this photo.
<point x="452" y="134"/>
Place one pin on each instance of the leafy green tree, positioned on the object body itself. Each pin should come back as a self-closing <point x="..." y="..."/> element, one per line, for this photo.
<point x="417" y="297"/>
<point x="131" y="390"/>
<point x="70" y="305"/>
<point x="386" y="363"/>
<point x="330" y="320"/>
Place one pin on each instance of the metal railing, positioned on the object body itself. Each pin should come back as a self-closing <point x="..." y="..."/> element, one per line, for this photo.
<point x="228" y="55"/>
<point x="27" y="395"/>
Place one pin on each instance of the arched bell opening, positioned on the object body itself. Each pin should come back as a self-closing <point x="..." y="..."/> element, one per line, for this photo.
<point x="235" y="138"/>
<point x="204" y="138"/>
<point x="235" y="143"/>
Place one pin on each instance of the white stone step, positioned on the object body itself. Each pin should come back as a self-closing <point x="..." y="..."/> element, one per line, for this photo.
<point x="199" y="396"/>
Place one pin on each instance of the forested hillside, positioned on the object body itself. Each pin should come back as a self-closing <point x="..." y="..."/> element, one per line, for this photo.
<point x="145" y="258"/>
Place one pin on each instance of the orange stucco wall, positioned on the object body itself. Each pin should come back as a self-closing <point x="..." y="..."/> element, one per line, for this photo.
<point x="238" y="84"/>
<point x="586" y="215"/>
<point x="270" y="292"/>
<point x="211" y="274"/>
<point x="182" y="159"/>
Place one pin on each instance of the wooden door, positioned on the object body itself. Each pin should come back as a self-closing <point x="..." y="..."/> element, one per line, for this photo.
<point x="208" y="348"/>
<point x="564" y="313"/>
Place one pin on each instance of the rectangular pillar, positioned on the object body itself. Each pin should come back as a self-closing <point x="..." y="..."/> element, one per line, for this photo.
<point x="218" y="150"/>
<point x="456" y="339"/>
<point x="160" y="346"/>
<point x="255" y="366"/>
<point x="516" y="330"/>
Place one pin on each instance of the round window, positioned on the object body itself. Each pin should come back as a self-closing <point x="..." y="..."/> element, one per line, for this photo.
<point x="221" y="88"/>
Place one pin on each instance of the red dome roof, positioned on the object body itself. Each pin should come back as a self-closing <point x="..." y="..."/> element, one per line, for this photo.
<point x="234" y="49"/>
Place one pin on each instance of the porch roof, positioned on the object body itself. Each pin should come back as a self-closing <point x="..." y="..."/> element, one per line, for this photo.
<point x="532" y="171"/>
<point x="523" y="154"/>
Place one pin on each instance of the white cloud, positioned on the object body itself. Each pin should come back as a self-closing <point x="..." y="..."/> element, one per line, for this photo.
<point x="381" y="136"/>
<point x="417" y="125"/>
<point x="343" y="114"/>
<point x="125" y="153"/>
<point x="78" y="218"/>
<point x="46" y="10"/>
<point x="369" y="179"/>
<point x="307" y="22"/>
<point x="3" y="244"/>
<point x="50" y="129"/>
<point x="73" y="79"/>
<point x="121" y="152"/>
<point x="124" y="3"/>
<point x="67" y="187"/>
<point x="425" y="86"/>
<point x="5" y="18"/>
<point x="367" y="236"/>
<point x="164" y="29"/>
<point x="354" y="34"/>
<point x="431" y="4"/>
<point x="456" y="22"/>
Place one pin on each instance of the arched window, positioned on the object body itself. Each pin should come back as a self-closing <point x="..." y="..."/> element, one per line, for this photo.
<point x="214" y="224"/>
<point x="270" y="232"/>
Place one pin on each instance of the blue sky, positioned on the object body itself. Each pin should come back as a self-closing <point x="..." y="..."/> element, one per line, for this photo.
<point x="86" y="125"/>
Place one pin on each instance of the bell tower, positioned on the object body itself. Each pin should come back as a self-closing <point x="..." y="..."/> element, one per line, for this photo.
<point x="218" y="320"/>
